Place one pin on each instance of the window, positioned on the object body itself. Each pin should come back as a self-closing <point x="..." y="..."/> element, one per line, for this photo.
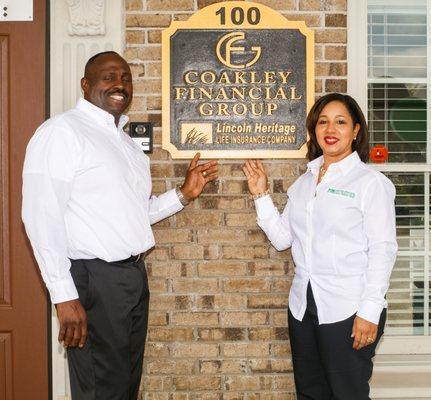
<point x="397" y="118"/>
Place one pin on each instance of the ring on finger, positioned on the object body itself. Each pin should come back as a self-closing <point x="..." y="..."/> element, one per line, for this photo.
<point x="370" y="340"/>
<point x="204" y="174"/>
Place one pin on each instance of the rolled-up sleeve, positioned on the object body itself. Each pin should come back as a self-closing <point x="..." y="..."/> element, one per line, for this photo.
<point x="275" y="226"/>
<point x="380" y="230"/>
<point x="48" y="173"/>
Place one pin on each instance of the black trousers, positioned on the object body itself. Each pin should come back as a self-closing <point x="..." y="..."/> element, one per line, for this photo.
<point x="115" y="297"/>
<point x="325" y="365"/>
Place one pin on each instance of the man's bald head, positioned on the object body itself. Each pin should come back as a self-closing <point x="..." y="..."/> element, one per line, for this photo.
<point x="107" y="83"/>
<point x="92" y="61"/>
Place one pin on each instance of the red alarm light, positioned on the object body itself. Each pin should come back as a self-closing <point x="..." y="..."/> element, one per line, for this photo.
<point x="379" y="154"/>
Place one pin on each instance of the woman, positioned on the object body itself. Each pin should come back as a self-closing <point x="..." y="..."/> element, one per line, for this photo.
<point x="340" y="222"/>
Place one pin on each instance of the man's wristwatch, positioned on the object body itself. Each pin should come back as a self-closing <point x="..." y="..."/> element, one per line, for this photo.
<point x="181" y="197"/>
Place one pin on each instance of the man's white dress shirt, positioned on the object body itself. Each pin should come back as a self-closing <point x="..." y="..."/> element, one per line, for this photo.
<point x="343" y="238"/>
<point x="87" y="194"/>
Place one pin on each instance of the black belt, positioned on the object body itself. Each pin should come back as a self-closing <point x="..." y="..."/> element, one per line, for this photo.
<point x="131" y="259"/>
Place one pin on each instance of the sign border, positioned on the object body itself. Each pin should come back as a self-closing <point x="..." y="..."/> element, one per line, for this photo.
<point x="199" y="21"/>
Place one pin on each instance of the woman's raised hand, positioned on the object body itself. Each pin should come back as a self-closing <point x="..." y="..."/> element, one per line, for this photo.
<point x="256" y="176"/>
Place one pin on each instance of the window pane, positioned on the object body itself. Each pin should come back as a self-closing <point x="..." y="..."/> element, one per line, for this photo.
<point x="410" y="210"/>
<point x="400" y="61"/>
<point x="408" y="40"/>
<point x="406" y="298"/>
<point x="401" y="51"/>
<point x="377" y="19"/>
<point x="397" y="115"/>
<point x="405" y="30"/>
<point x="408" y="295"/>
<point x="397" y="30"/>
<point x="413" y="18"/>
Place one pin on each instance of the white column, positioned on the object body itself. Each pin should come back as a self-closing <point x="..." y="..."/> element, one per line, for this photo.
<point x="357" y="52"/>
<point x="78" y="30"/>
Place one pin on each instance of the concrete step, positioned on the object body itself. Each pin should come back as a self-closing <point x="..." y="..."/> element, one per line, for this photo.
<point x="401" y="378"/>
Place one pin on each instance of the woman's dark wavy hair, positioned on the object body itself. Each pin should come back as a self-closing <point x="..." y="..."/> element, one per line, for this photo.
<point x="361" y="144"/>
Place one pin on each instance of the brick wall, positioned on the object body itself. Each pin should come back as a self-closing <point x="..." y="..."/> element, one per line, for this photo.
<point x="218" y="320"/>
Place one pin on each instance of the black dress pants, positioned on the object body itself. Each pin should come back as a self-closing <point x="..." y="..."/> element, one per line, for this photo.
<point x="115" y="297"/>
<point x="325" y="365"/>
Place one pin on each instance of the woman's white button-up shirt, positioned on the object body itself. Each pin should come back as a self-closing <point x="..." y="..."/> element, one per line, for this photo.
<point x="343" y="238"/>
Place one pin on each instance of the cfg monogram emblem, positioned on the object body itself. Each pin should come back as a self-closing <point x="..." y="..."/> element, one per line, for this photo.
<point x="233" y="56"/>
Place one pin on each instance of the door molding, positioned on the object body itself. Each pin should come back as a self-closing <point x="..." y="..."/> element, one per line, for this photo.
<point x="5" y="284"/>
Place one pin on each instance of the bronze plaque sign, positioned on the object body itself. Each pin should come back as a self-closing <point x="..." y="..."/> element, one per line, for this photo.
<point x="238" y="80"/>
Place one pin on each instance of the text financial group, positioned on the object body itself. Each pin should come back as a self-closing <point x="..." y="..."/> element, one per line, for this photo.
<point x="236" y="92"/>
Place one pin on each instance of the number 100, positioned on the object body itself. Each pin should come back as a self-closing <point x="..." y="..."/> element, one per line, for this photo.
<point x="237" y="15"/>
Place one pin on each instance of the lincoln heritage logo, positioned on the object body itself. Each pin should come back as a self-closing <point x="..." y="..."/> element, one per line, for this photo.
<point x="226" y="50"/>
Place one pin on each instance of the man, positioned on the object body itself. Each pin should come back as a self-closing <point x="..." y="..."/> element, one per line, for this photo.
<point x="87" y="209"/>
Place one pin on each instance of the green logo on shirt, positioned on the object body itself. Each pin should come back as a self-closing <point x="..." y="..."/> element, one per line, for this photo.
<point x="340" y="192"/>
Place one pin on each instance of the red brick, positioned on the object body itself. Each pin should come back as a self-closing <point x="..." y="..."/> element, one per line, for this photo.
<point x="198" y="219"/>
<point x="238" y="318"/>
<point x="246" y="285"/>
<point x="268" y="301"/>
<point x="222" y="268"/>
<point x="148" y="20"/>
<point x="195" y="318"/>
<point x="336" y="20"/>
<point x="221" y="302"/>
<point x="197" y="382"/>
<point x="193" y="285"/>
<point x="169" y="5"/>
<point x="245" y="252"/>
<point x="171" y="367"/>
<point x="170" y="334"/>
<point x="245" y="349"/>
<point x="336" y="85"/>
<point x="194" y="350"/>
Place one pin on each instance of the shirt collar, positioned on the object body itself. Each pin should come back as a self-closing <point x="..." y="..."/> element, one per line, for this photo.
<point x="345" y="165"/>
<point x="99" y="114"/>
<point x="315" y="165"/>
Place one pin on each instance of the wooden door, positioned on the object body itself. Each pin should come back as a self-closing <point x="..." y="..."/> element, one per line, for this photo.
<point x="23" y="300"/>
